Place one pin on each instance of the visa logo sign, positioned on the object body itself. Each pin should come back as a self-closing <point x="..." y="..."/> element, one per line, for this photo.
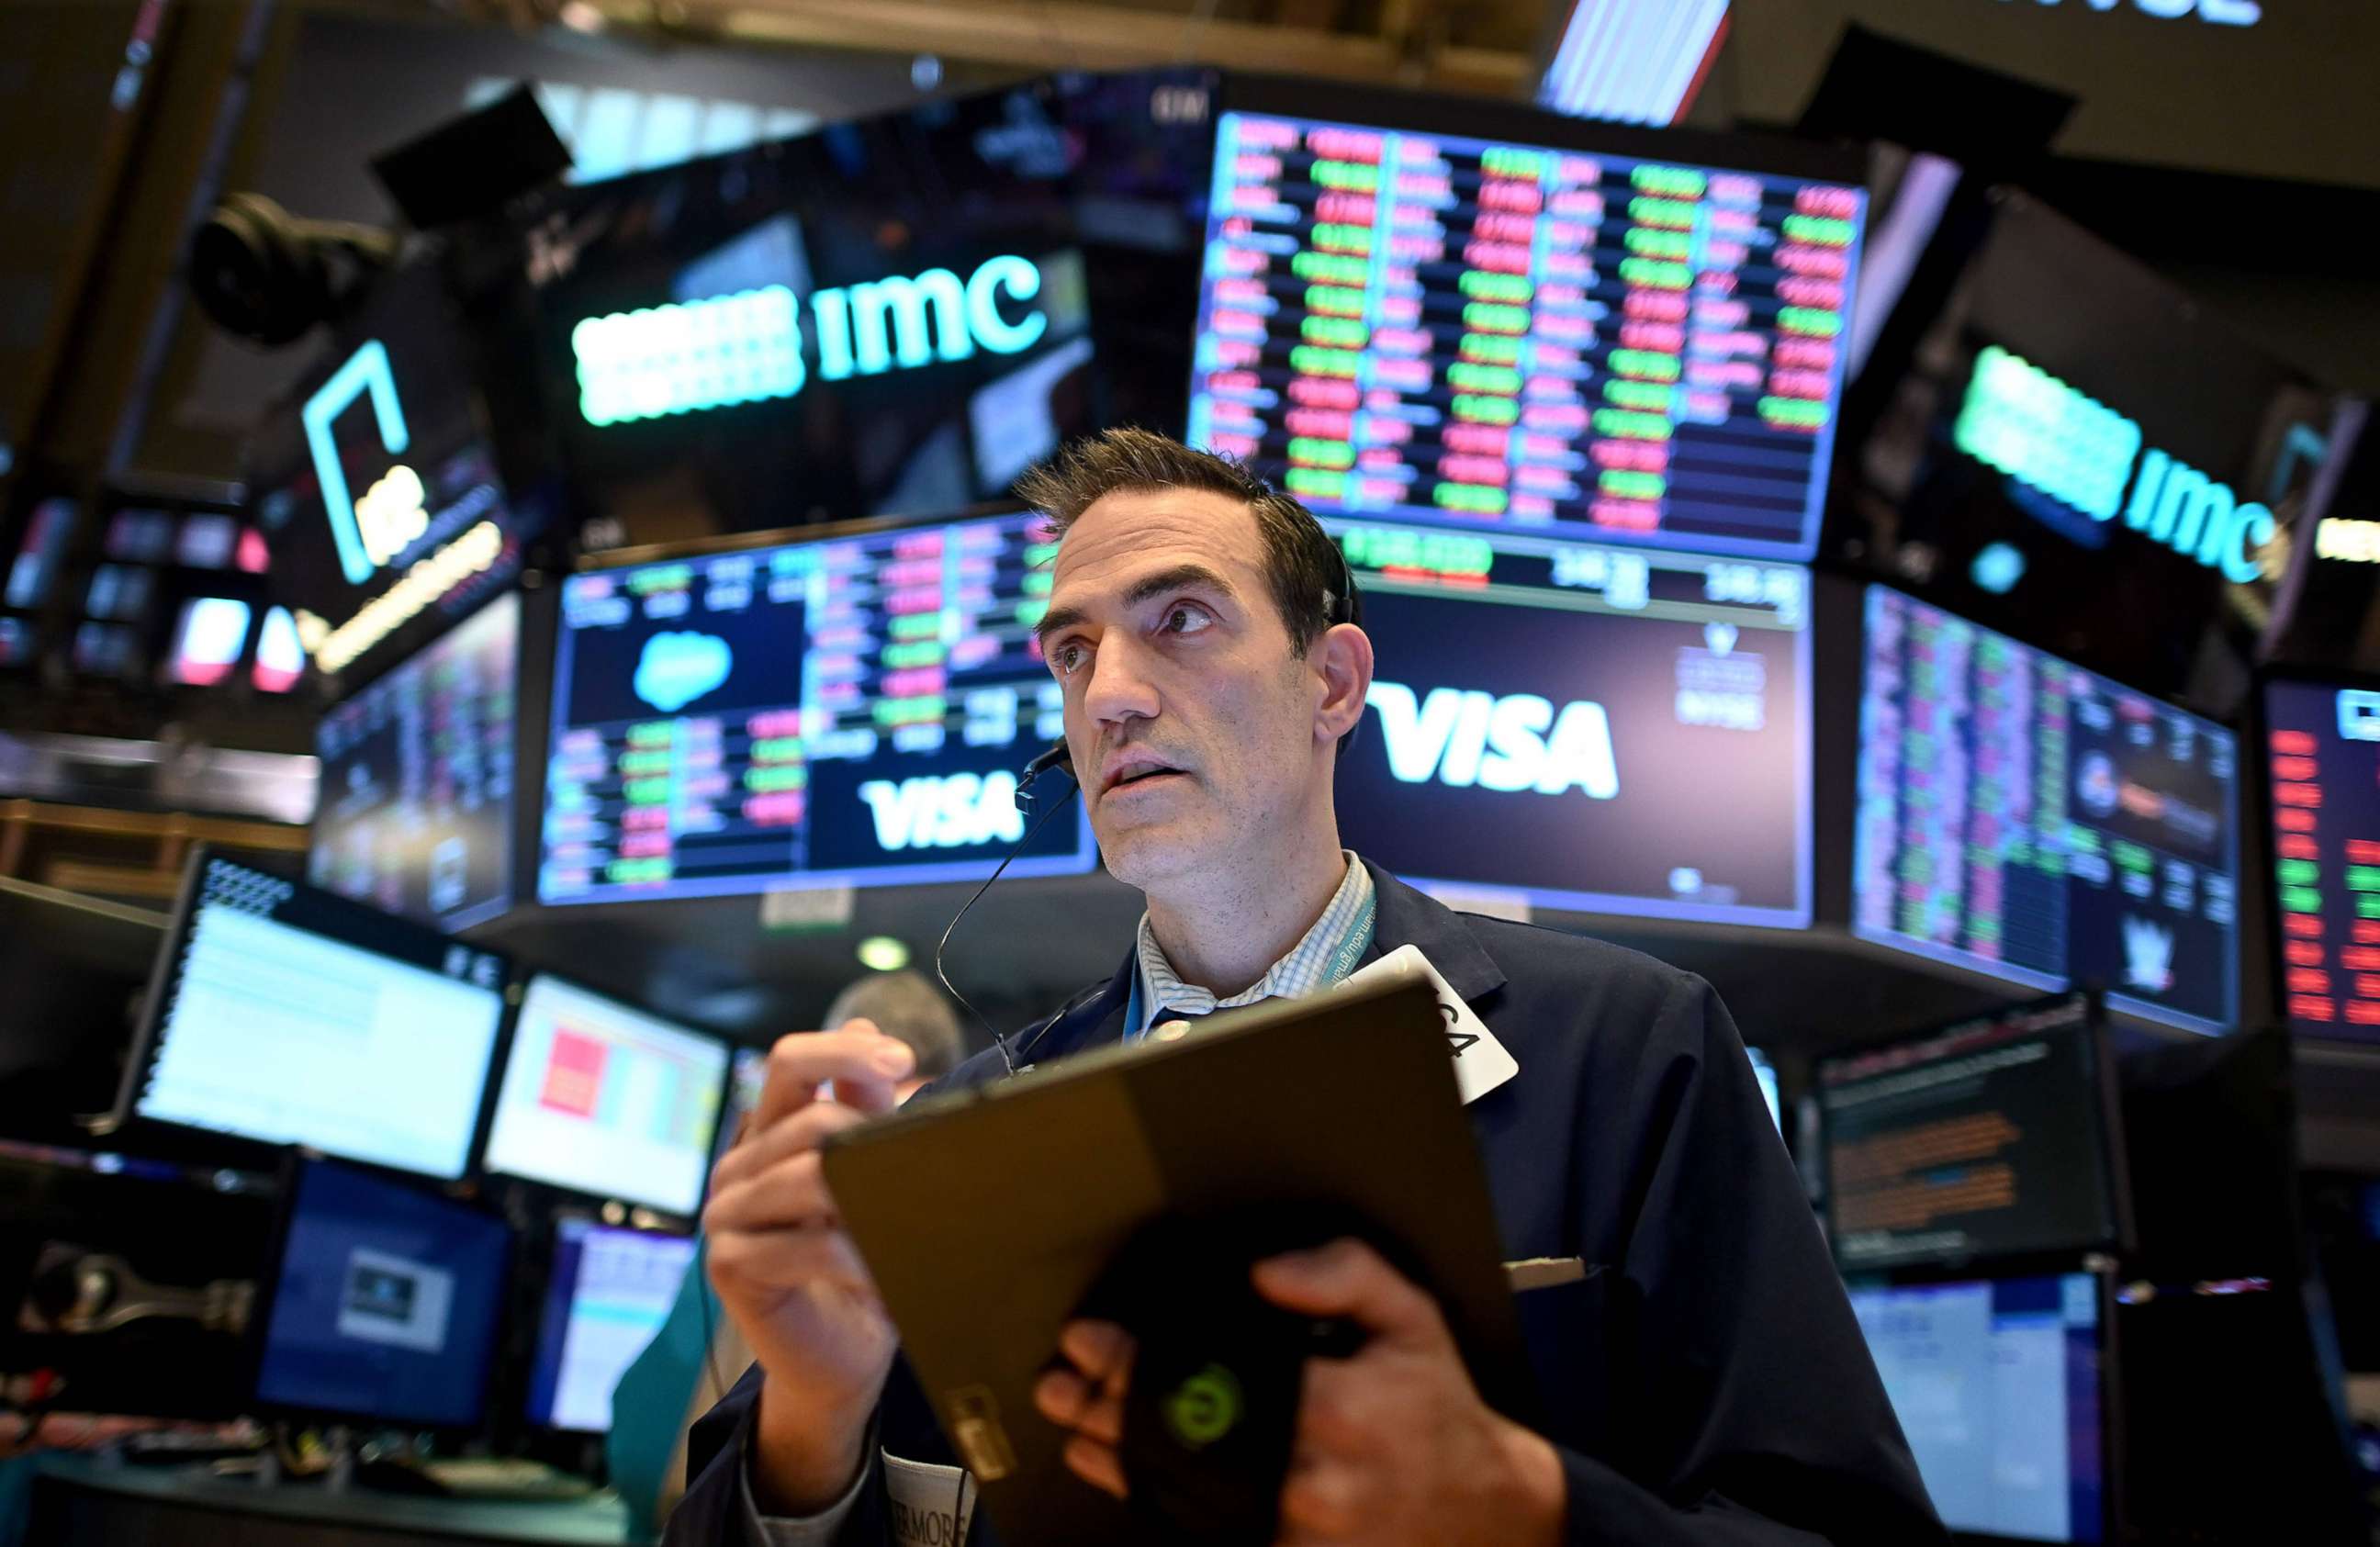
<point x="1467" y="738"/>
<point x="956" y="811"/>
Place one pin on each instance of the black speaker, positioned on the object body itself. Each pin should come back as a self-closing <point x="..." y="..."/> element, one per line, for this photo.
<point x="475" y="164"/>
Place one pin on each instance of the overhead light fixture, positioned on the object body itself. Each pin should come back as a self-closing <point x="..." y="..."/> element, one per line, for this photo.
<point x="882" y="953"/>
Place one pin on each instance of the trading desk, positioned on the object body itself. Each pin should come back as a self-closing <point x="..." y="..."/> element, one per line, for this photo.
<point x="77" y="1500"/>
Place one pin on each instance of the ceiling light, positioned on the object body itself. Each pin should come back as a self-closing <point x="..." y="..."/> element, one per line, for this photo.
<point x="882" y="953"/>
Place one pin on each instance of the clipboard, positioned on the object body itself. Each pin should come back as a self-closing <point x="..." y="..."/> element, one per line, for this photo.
<point x="988" y="1215"/>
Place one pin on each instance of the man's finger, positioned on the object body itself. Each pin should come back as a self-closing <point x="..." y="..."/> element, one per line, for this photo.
<point x="1071" y="1402"/>
<point x="1318" y="1501"/>
<point x="1095" y="1464"/>
<point x="1061" y="1396"/>
<point x="1348" y="1278"/>
<point x="786" y="1258"/>
<point x="797" y="1134"/>
<point x="1101" y="1351"/>
<point x="799" y="1064"/>
<point x="790" y="1195"/>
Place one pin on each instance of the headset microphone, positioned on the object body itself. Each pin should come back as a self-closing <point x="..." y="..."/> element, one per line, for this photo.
<point x="1058" y="756"/>
<point x="1055" y="757"/>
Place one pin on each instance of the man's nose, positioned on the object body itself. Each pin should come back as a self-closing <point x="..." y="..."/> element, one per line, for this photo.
<point x="1120" y="688"/>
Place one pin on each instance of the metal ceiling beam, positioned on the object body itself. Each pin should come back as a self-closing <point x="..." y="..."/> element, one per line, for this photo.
<point x="1080" y="35"/>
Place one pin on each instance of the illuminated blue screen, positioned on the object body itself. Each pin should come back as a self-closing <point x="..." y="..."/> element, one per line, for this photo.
<point x="855" y="710"/>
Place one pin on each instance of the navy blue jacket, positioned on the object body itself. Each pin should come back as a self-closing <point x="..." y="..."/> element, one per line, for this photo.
<point x="1706" y="1384"/>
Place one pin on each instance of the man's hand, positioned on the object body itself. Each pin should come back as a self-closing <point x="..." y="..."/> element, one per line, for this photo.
<point x="790" y="1279"/>
<point x="1394" y="1444"/>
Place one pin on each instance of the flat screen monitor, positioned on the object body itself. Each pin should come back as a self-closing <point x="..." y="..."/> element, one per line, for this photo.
<point x="745" y="1079"/>
<point x="286" y="1015"/>
<point x="377" y="479"/>
<point x="1765" y="1072"/>
<point x="2001" y="1385"/>
<point x="895" y="315"/>
<point x="848" y="711"/>
<point x="603" y="1099"/>
<point x="1584" y="727"/>
<point x="2023" y="817"/>
<point x="1434" y="327"/>
<point x="384" y="1303"/>
<point x="2324" y="742"/>
<point x="610" y="1293"/>
<point x="1990" y="1138"/>
<point x="417" y="779"/>
<point x="76" y="968"/>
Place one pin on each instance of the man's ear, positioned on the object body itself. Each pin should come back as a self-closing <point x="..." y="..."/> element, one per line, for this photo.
<point x="1342" y="658"/>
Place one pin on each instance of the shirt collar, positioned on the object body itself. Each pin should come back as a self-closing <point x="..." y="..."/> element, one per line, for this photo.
<point x="1304" y="970"/>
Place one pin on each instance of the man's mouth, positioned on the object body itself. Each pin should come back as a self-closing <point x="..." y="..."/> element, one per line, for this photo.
<point x="1143" y="775"/>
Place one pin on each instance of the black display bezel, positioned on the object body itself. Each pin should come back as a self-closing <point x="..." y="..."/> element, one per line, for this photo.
<point x="2102" y="1275"/>
<point x="184" y="1141"/>
<point x="297" y="1166"/>
<point x="2115" y="1190"/>
<point x="500" y="1069"/>
<point x="2256" y="734"/>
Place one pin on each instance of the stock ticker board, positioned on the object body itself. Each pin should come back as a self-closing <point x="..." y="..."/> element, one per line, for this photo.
<point x="851" y="710"/>
<point x="1438" y="328"/>
<point x="2023" y="817"/>
<point x="2323" y="742"/>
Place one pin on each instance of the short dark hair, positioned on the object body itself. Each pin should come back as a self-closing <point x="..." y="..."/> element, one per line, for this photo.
<point x="1302" y="563"/>
<point x="905" y="1006"/>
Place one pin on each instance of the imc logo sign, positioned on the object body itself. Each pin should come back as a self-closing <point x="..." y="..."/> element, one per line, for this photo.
<point x="2038" y="431"/>
<point x="372" y="529"/>
<point x="748" y="347"/>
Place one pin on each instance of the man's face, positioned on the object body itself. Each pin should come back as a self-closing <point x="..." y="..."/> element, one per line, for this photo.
<point x="1192" y="722"/>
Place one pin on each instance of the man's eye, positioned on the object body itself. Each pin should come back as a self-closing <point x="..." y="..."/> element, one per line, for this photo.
<point x="1065" y="658"/>
<point x="1187" y="620"/>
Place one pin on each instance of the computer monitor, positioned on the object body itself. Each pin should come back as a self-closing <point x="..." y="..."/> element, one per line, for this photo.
<point x="851" y="710"/>
<point x="1765" y="1072"/>
<point x="2231" y="1373"/>
<point x="601" y="1099"/>
<point x="286" y="1015"/>
<point x="2022" y="817"/>
<point x="2001" y="1388"/>
<point x="2323" y="738"/>
<point x="416" y="812"/>
<point x="379" y="478"/>
<point x="1992" y="1137"/>
<point x="76" y="968"/>
<point x="1583" y="727"/>
<point x="1425" y="325"/>
<point x="382" y="1304"/>
<point x="746" y="1078"/>
<point x="610" y="1292"/>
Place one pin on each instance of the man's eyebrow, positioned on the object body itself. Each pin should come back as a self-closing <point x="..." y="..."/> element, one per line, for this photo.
<point x="1063" y="617"/>
<point x="1146" y="588"/>
<point x="1180" y="577"/>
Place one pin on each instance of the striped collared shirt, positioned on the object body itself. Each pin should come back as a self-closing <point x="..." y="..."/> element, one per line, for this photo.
<point x="1306" y="970"/>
